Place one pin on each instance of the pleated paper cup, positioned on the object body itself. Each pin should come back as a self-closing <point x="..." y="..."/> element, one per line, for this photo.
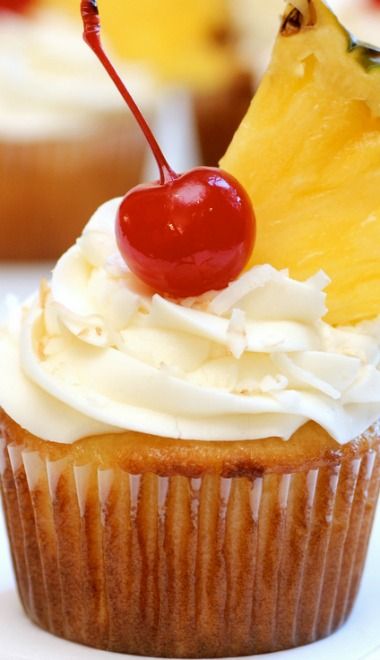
<point x="155" y="547"/>
<point x="50" y="188"/>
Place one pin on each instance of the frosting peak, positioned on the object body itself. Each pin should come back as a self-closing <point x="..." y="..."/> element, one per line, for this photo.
<point x="255" y="360"/>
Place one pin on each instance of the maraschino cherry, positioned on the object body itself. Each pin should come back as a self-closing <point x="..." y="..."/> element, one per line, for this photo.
<point x="184" y="234"/>
<point x="18" y="6"/>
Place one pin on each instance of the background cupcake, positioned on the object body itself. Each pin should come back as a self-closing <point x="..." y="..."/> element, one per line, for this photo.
<point x="66" y="142"/>
<point x="188" y="46"/>
<point x="362" y="17"/>
<point x="63" y="125"/>
<point x="258" y="23"/>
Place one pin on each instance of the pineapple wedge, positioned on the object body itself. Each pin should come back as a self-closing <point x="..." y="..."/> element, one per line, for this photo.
<point x="308" y="152"/>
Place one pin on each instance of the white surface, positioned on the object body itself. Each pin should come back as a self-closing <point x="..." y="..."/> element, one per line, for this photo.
<point x="359" y="639"/>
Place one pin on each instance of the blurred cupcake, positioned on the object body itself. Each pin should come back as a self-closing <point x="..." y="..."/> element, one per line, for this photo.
<point x="66" y="142"/>
<point x="258" y="23"/>
<point x="362" y="17"/>
<point x="153" y="506"/>
<point x="192" y="46"/>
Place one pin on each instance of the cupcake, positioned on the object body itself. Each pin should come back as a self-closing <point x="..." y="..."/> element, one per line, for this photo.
<point x="66" y="143"/>
<point x="172" y="485"/>
<point x="197" y="477"/>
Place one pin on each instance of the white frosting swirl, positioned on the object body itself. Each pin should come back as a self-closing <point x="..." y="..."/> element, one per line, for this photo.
<point x="52" y="85"/>
<point x="97" y="351"/>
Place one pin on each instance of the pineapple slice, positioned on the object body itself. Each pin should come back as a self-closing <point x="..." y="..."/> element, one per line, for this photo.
<point x="308" y="152"/>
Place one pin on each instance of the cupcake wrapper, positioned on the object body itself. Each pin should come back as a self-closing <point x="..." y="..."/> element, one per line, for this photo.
<point x="183" y="567"/>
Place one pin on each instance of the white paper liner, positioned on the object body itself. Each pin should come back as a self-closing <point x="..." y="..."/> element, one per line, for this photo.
<point x="188" y="566"/>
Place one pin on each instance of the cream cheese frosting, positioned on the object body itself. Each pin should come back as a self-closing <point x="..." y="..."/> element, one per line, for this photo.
<point x="97" y="351"/>
<point x="51" y="84"/>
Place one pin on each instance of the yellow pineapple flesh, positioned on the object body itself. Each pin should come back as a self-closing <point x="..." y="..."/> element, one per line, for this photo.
<point x="182" y="41"/>
<point x="308" y="152"/>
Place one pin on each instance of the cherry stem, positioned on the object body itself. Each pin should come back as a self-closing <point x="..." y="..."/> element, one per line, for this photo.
<point x="91" y="35"/>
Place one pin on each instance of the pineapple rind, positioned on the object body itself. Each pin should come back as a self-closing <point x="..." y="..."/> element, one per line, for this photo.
<point x="308" y="152"/>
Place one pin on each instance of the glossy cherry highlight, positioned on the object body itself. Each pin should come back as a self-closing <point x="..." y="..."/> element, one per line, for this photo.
<point x="184" y="234"/>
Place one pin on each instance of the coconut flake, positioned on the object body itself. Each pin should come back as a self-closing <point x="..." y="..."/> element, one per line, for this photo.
<point x="255" y="278"/>
<point x="237" y="333"/>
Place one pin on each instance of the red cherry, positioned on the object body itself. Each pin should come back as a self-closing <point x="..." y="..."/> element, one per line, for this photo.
<point x="189" y="235"/>
<point x="15" y="5"/>
<point x="185" y="234"/>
